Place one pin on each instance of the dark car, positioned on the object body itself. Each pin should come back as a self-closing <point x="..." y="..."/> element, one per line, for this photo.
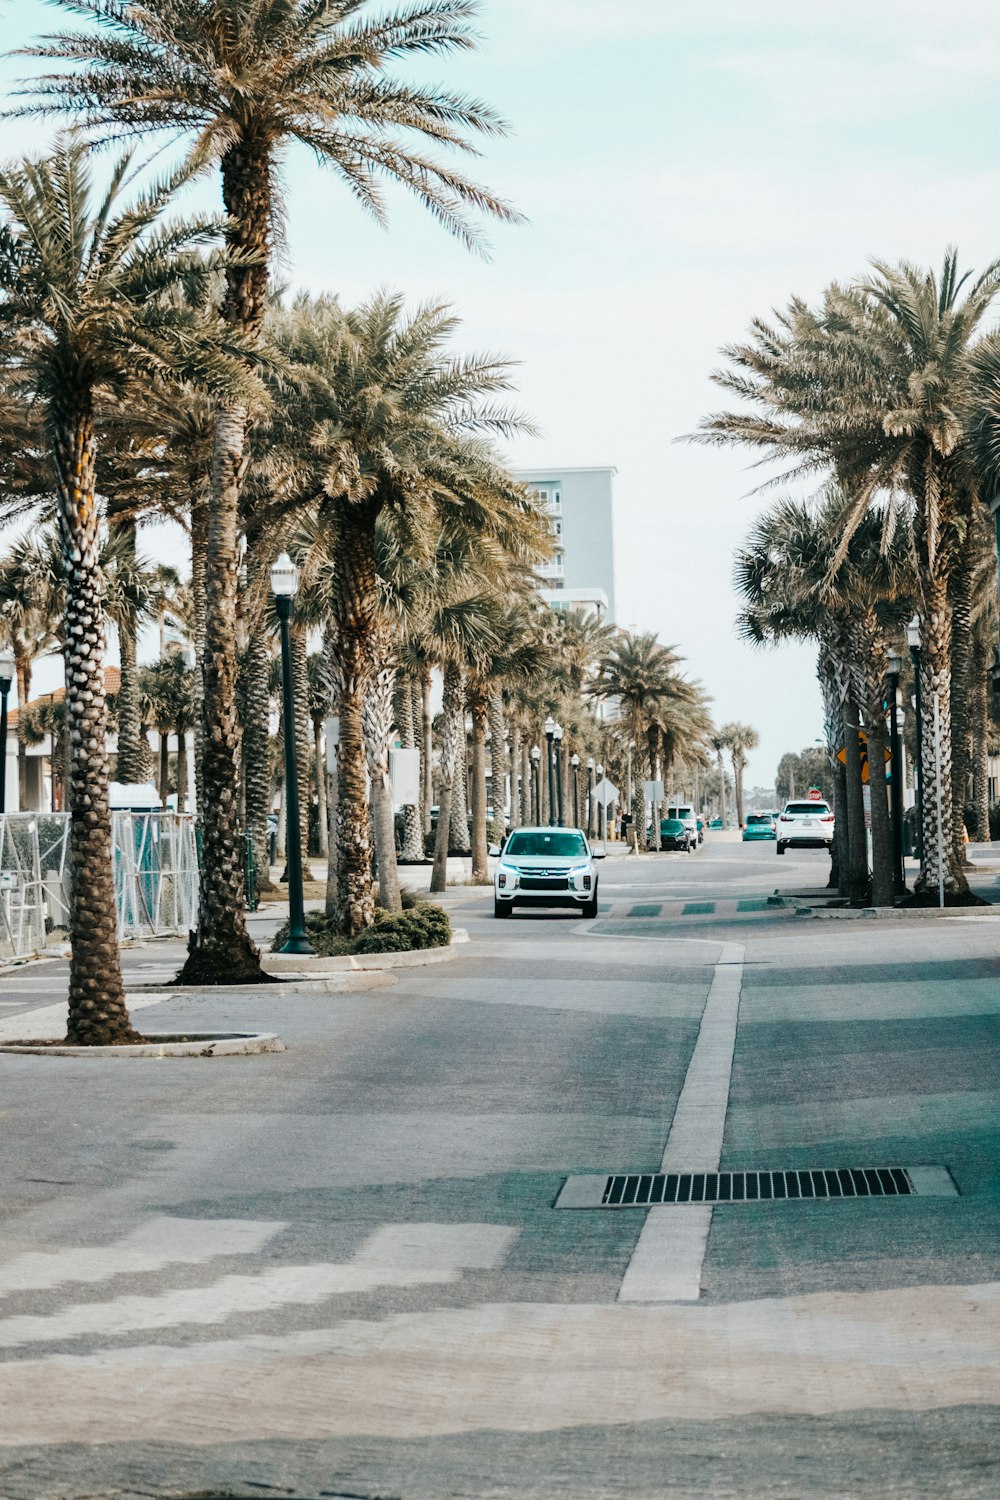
<point x="675" y="834"/>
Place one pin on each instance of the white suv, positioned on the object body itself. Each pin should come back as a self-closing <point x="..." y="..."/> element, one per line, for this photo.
<point x="805" y="824"/>
<point x="545" y="867"/>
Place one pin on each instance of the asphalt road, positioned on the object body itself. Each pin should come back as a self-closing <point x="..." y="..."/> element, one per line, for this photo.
<point x="339" y="1270"/>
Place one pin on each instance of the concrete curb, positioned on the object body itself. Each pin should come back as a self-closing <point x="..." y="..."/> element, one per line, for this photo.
<point x="294" y="984"/>
<point x="205" y="1044"/>
<point x="876" y="913"/>
<point x="297" y="963"/>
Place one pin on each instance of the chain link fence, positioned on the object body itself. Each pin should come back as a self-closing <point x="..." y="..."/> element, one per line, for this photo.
<point x="156" y="877"/>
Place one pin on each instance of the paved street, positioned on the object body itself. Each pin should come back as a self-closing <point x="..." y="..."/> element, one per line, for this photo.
<point x="339" y="1270"/>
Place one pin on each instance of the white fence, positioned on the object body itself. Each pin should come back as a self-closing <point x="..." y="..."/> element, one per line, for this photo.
<point x="156" y="876"/>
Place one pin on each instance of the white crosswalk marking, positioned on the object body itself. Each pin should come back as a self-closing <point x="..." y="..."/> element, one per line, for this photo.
<point x="158" y="1243"/>
<point x="394" y="1255"/>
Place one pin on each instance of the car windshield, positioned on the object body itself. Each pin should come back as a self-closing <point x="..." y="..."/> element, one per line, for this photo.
<point x="807" y="807"/>
<point x="671" y="825"/>
<point x="560" y="843"/>
<point x="680" y="812"/>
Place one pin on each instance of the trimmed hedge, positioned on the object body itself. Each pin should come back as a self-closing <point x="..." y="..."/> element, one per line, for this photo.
<point x="421" y="926"/>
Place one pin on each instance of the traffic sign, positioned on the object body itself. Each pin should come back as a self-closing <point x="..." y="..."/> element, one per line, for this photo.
<point x="605" y="793"/>
<point x="865" y="769"/>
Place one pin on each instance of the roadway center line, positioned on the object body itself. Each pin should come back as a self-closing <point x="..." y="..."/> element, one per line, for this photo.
<point x="667" y="1261"/>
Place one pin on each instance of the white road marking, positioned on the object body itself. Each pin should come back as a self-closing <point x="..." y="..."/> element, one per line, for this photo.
<point x="667" y="1260"/>
<point x="480" y="1247"/>
<point x="395" y="1255"/>
<point x="160" y="1242"/>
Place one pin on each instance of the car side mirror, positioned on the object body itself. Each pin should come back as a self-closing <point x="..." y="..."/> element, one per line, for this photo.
<point x="494" y="850"/>
<point x="598" y="854"/>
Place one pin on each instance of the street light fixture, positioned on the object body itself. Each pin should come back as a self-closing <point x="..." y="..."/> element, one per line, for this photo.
<point x="536" y="756"/>
<point x="8" y="667"/>
<point x="284" y="583"/>
<point x="550" y="729"/>
<point x="574" y="761"/>
<point x="913" y="640"/>
<point x="896" y="783"/>
<point x="557" y="735"/>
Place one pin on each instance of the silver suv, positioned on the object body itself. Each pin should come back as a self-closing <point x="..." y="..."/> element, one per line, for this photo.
<point x="545" y="867"/>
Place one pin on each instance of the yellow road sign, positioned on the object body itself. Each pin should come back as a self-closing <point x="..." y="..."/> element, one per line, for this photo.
<point x="865" y="769"/>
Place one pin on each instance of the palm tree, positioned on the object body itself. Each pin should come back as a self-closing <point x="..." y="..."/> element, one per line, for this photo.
<point x="248" y="81"/>
<point x="85" y="304"/>
<point x="29" y="632"/>
<point x="639" y="673"/>
<point x="739" y="739"/>
<point x="878" y="386"/>
<point x="396" y="431"/>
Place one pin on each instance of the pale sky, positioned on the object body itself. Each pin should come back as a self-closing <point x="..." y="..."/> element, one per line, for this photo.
<point x="685" y="165"/>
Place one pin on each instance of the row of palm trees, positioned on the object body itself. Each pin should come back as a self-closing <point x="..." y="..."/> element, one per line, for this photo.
<point x="888" y="393"/>
<point x="148" y="368"/>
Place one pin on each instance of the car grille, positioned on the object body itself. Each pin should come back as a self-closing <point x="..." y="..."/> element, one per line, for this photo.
<point x="544" y="883"/>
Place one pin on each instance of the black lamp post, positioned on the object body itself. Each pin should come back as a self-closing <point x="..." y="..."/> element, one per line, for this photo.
<point x="913" y="641"/>
<point x="7" y="669"/>
<point x="536" y="811"/>
<point x="590" y="797"/>
<point x="284" y="582"/>
<point x="601" y="808"/>
<point x="557" y="735"/>
<point x="550" y="729"/>
<point x="896" y="783"/>
<point x="574" y="761"/>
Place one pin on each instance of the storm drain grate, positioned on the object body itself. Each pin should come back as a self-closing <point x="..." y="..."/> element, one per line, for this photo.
<point x="649" y="1189"/>
<point x="632" y="1190"/>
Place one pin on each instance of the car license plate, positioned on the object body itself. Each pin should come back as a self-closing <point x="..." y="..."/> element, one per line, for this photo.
<point x="808" y="823"/>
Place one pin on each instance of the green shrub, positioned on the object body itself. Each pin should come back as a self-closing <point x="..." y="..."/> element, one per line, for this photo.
<point x="420" y="925"/>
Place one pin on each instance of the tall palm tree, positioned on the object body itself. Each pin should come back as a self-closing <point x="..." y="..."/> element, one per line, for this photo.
<point x="85" y="304"/>
<point x="246" y="82"/>
<point x="876" y="387"/>
<point x="640" y="674"/>
<point x="739" y="739"/>
<point x="397" y="429"/>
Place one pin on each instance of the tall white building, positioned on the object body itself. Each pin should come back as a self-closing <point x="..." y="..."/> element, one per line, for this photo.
<point x="580" y="504"/>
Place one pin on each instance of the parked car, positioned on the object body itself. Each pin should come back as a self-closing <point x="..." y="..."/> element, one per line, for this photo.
<point x="545" y="867"/>
<point x="805" y="825"/>
<point x="760" y="826"/>
<point x="675" y="834"/>
<point x="689" y="818"/>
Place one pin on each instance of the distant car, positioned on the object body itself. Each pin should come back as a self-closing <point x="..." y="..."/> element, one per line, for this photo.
<point x="759" y="826"/>
<point x="545" y="867"/>
<point x="675" y="834"/>
<point x="715" y="823"/>
<point x="805" y="825"/>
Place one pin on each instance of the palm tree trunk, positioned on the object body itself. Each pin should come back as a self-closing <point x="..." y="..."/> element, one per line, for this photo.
<point x="652" y="745"/>
<point x="199" y="549"/>
<point x="164" y="787"/>
<point x="461" y="841"/>
<point x="962" y="585"/>
<point x="480" y="851"/>
<point x="257" y="775"/>
<point x="221" y="951"/>
<point x="935" y="751"/>
<point x="453" y="714"/>
<point x="354" y="622"/>
<point x="132" y="766"/>
<point x="526" y="809"/>
<point x="857" y="840"/>
<point x="319" y="769"/>
<point x="412" y="851"/>
<point x="303" y="739"/>
<point x="23" y="668"/>
<point x="516" y="762"/>
<point x="427" y="747"/>
<point x="883" y="883"/>
<point x="980" y="745"/>
<point x="378" y="728"/>
<point x="97" y="1010"/>
<point x="498" y="769"/>
<point x="182" y="766"/>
